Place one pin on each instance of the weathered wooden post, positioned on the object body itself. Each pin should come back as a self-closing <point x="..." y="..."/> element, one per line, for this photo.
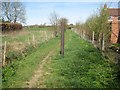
<point x="103" y="42"/>
<point x="62" y="38"/>
<point x="52" y="34"/>
<point x="42" y="37"/>
<point x="33" y="38"/>
<point x="46" y="38"/>
<point x="4" y="54"/>
<point x="28" y="41"/>
<point x="93" y="36"/>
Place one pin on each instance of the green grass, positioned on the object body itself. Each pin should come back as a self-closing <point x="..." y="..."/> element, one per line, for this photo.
<point x="20" y="71"/>
<point x="38" y="29"/>
<point x="26" y="33"/>
<point x="22" y="38"/>
<point x="83" y="66"/>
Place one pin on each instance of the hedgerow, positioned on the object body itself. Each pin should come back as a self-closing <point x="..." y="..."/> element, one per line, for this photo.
<point x="11" y="26"/>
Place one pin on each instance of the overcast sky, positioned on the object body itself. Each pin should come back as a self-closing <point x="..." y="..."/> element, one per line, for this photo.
<point x="38" y="12"/>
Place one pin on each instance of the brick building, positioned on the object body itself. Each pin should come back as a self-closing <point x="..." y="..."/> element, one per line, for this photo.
<point x="115" y="24"/>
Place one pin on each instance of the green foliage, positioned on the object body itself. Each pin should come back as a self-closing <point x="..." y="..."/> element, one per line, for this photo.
<point x="39" y="28"/>
<point x="29" y="49"/>
<point x="8" y="72"/>
<point x="16" y="55"/>
<point x="99" y="23"/>
<point x="83" y="66"/>
<point x="18" y="72"/>
<point x="11" y="26"/>
<point x="13" y="55"/>
<point x="116" y="45"/>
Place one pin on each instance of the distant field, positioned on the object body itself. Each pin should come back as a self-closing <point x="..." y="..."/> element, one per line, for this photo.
<point x="19" y="42"/>
<point x="25" y="34"/>
<point x="38" y="29"/>
<point x="20" y="39"/>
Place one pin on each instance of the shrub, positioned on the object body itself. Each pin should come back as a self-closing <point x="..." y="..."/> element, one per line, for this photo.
<point x="13" y="55"/>
<point x="11" y="26"/>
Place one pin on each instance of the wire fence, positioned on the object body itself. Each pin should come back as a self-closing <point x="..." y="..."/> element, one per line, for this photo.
<point x="20" y="43"/>
<point x="102" y="45"/>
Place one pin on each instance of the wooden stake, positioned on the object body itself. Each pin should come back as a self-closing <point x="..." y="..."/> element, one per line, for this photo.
<point x="28" y="41"/>
<point x="46" y="36"/>
<point x="4" y="54"/>
<point x="103" y="43"/>
<point x="42" y="40"/>
<point x="62" y="38"/>
<point x="52" y="34"/>
<point x="33" y="39"/>
<point x="93" y="37"/>
<point x="84" y="34"/>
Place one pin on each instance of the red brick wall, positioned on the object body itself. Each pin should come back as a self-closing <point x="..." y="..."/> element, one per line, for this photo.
<point x="115" y="30"/>
<point x="119" y="33"/>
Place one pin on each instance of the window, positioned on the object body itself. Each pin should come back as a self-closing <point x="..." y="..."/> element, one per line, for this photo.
<point x="118" y="17"/>
<point x="110" y="17"/>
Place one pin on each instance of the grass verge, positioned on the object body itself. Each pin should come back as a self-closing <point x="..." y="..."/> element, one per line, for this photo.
<point x="83" y="66"/>
<point x="20" y="71"/>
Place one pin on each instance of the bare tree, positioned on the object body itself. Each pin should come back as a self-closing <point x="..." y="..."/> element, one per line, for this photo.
<point x="64" y="22"/>
<point x="6" y="11"/>
<point x="13" y="12"/>
<point x="54" y="17"/>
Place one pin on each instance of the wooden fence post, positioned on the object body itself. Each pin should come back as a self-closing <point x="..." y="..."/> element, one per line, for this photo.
<point x="46" y="38"/>
<point x="93" y="37"/>
<point x="28" y="41"/>
<point x="33" y="40"/>
<point x="99" y="41"/>
<point x="62" y="38"/>
<point x="48" y="35"/>
<point x="83" y="34"/>
<point x="103" y="42"/>
<point x="4" y="54"/>
<point x="52" y="34"/>
<point x="42" y="40"/>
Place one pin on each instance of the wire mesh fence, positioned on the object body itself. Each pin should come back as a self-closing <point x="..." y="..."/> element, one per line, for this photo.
<point x="103" y="44"/>
<point x="20" y="41"/>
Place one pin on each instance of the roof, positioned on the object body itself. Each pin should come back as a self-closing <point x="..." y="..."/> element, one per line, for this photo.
<point x="114" y="11"/>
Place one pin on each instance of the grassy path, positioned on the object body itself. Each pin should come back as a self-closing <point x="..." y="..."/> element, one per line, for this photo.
<point x="83" y="66"/>
<point x="20" y="71"/>
<point x="39" y="73"/>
